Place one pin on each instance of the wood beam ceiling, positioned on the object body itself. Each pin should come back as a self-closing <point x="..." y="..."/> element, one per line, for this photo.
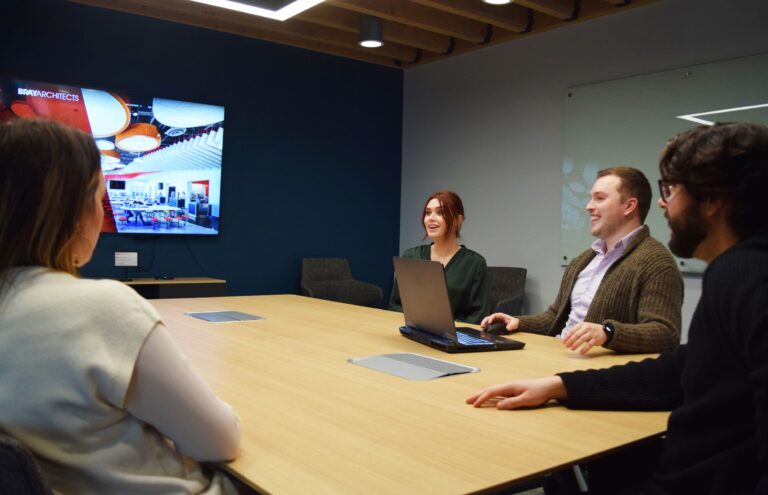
<point x="349" y="21"/>
<point x="200" y="15"/>
<point x="415" y="31"/>
<point x="564" y="10"/>
<point x="418" y="16"/>
<point x="512" y="17"/>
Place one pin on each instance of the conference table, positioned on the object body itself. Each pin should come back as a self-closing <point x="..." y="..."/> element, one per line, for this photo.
<point x="315" y="423"/>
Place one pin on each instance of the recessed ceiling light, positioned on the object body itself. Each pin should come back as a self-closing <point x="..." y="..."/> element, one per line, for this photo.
<point x="371" y="43"/>
<point x="281" y="14"/>
<point x="371" y="32"/>
<point x="498" y="2"/>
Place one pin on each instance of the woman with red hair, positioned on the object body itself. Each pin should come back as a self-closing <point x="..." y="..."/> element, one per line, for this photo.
<point x="465" y="270"/>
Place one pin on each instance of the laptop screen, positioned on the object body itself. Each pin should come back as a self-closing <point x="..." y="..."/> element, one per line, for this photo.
<point x="424" y="296"/>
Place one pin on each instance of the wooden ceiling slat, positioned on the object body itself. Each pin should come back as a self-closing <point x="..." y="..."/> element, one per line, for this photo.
<point x="510" y="17"/>
<point x="411" y="14"/>
<point x="327" y="15"/>
<point x="560" y="9"/>
<point x="189" y="17"/>
<point x="317" y="32"/>
<point x="415" y="32"/>
<point x="408" y="35"/>
<point x="590" y="9"/>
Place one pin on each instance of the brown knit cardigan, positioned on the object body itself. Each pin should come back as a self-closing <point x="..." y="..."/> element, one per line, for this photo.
<point x="641" y="295"/>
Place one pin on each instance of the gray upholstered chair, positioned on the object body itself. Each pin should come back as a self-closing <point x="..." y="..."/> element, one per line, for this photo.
<point x="506" y="289"/>
<point x="331" y="279"/>
<point x="19" y="472"/>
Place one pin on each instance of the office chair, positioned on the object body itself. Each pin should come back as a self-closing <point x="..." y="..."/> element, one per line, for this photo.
<point x="331" y="279"/>
<point x="19" y="472"/>
<point x="506" y="289"/>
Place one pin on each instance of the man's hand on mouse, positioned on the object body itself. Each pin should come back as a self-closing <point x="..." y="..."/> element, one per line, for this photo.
<point x="510" y="322"/>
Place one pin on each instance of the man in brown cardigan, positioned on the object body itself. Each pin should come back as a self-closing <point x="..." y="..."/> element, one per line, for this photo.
<point x="625" y="292"/>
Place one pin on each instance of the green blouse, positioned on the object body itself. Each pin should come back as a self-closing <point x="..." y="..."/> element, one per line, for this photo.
<point x="467" y="283"/>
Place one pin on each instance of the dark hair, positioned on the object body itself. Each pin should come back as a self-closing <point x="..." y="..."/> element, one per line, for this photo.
<point x="48" y="178"/>
<point x="634" y="184"/>
<point x="727" y="161"/>
<point x="452" y="207"/>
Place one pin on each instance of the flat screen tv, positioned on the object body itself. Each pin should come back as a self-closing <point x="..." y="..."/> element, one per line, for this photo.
<point x="161" y="158"/>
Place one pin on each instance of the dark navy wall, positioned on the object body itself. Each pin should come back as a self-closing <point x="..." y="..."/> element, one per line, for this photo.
<point x="312" y="147"/>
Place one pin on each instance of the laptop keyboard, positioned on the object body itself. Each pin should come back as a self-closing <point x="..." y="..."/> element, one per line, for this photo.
<point x="465" y="339"/>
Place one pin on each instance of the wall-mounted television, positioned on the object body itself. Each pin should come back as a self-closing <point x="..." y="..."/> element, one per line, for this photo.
<point x="161" y="157"/>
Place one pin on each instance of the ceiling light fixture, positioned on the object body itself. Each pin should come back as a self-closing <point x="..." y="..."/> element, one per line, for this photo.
<point x="286" y="12"/>
<point x="694" y="117"/>
<point x="371" y="31"/>
<point x="498" y="2"/>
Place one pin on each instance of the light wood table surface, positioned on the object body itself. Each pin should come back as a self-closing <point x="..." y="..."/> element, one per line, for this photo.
<point x="314" y="423"/>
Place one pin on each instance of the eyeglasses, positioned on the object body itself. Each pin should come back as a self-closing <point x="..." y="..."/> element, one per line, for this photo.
<point x="665" y="190"/>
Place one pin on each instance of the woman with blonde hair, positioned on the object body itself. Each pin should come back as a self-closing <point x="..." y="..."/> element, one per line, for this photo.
<point x="90" y="380"/>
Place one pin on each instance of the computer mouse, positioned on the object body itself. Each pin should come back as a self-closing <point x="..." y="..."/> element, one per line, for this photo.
<point x="498" y="327"/>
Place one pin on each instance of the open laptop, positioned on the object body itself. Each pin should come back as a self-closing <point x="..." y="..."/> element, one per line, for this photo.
<point x="428" y="313"/>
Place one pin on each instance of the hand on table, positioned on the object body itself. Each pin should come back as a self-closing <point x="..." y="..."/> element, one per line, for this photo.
<point x="520" y="393"/>
<point x="586" y="336"/>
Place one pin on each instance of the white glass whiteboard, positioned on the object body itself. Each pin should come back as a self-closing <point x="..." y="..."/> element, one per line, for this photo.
<point x="628" y="121"/>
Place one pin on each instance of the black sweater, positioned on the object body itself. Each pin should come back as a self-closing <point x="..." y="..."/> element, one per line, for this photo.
<point x="717" y="384"/>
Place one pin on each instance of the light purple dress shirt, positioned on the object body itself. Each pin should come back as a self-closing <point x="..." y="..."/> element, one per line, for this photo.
<point x="590" y="277"/>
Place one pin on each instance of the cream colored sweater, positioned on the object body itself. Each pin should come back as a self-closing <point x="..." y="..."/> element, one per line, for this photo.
<point x="68" y="347"/>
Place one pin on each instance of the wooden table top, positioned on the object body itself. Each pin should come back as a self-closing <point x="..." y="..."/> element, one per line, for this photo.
<point x="314" y="423"/>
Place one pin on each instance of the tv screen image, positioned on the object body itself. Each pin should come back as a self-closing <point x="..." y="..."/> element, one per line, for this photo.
<point x="161" y="158"/>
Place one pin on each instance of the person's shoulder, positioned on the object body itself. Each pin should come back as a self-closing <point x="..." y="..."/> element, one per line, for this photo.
<point x="471" y="255"/>
<point x="651" y="248"/>
<point x="108" y="293"/>
<point x="417" y="252"/>
<point x="61" y="290"/>
<point x="582" y="257"/>
<point x="650" y="242"/>
<point x="102" y="287"/>
<point x="747" y="259"/>
<point x="117" y="300"/>
<point x="50" y="285"/>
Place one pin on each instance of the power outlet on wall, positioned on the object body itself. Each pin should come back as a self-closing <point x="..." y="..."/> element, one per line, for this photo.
<point x="126" y="258"/>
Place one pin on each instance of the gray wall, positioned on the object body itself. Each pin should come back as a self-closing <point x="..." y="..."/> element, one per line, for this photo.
<point x="489" y="124"/>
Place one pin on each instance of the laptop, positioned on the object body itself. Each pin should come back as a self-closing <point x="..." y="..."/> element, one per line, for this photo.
<point x="428" y="313"/>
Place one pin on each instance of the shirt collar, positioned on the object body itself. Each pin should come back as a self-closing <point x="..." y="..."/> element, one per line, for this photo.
<point x="600" y="246"/>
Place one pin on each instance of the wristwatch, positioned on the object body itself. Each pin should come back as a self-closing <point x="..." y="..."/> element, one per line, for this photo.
<point x="609" y="330"/>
